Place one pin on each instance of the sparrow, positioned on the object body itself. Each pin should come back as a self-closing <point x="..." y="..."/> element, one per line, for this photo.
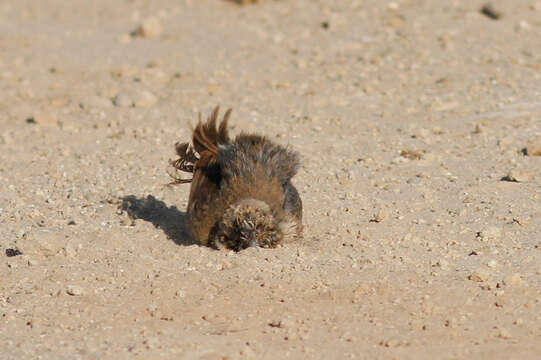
<point x="241" y="194"/>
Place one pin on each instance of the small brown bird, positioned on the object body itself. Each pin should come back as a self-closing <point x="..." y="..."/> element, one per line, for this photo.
<point x="241" y="193"/>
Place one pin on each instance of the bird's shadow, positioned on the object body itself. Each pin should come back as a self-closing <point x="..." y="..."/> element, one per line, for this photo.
<point x="168" y="218"/>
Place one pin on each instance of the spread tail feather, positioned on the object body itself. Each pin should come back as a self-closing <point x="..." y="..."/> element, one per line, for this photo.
<point x="204" y="151"/>
<point x="206" y="136"/>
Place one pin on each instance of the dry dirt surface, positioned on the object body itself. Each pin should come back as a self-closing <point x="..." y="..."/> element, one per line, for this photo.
<point x="419" y="126"/>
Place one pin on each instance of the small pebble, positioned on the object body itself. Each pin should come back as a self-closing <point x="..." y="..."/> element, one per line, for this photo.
<point x="518" y="176"/>
<point x="479" y="276"/>
<point x="152" y="308"/>
<point x="443" y="264"/>
<point x="42" y="118"/>
<point x="122" y="100"/>
<point x="149" y="28"/>
<point x="283" y="324"/>
<point x="331" y="213"/>
<point x="503" y="333"/>
<point x="286" y="323"/>
<point x="13" y="252"/>
<point x="489" y="233"/>
<point x="523" y="25"/>
<point x="226" y="265"/>
<point x="392" y="342"/>
<point x="489" y="11"/>
<point x="380" y="216"/>
<point x="412" y="154"/>
<point x="74" y="290"/>
<point x="533" y="148"/>
<point x="145" y="99"/>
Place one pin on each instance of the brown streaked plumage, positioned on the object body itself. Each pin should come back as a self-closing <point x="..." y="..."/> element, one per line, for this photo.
<point x="241" y="193"/>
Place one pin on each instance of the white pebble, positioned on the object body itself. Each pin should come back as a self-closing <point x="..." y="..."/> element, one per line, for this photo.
<point x="490" y="233"/>
<point x="145" y="99"/>
<point x="122" y="100"/>
<point x="75" y="290"/>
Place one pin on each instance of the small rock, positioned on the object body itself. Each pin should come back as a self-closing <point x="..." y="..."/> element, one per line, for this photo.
<point x="503" y="333"/>
<point x="518" y="176"/>
<point x="533" y="148"/>
<point x="412" y="154"/>
<point x="145" y="99"/>
<point x="489" y="11"/>
<point x="399" y="160"/>
<point x="444" y="106"/>
<point x="331" y="213"/>
<point x="149" y="28"/>
<point x="152" y="308"/>
<point x="489" y="233"/>
<point x="380" y="216"/>
<point x="443" y="264"/>
<point x="291" y="335"/>
<point x="247" y="352"/>
<point x="480" y="275"/>
<point x="492" y="263"/>
<point x="226" y="265"/>
<point x="74" y="290"/>
<point x="286" y="323"/>
<point x="392" y="342"/>
<point x="156" y="292"/>
<point x="42" y="118"/>
<point x="123" y="100"/>
<point x="13" y="252"/>
<point x="523" y="25"/>
<point x="283" y="324"/>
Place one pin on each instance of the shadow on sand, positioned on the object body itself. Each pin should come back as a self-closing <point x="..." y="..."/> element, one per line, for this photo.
<point x="171" y="220"/>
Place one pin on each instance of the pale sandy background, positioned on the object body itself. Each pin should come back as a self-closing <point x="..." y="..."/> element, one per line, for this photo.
<point x="408" y="115"/>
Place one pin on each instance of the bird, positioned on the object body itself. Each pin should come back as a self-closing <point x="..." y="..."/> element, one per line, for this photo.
<point x="241" y="193"/>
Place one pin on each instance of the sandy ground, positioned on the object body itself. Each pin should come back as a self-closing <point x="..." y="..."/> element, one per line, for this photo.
<point x="411" y="118"/>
